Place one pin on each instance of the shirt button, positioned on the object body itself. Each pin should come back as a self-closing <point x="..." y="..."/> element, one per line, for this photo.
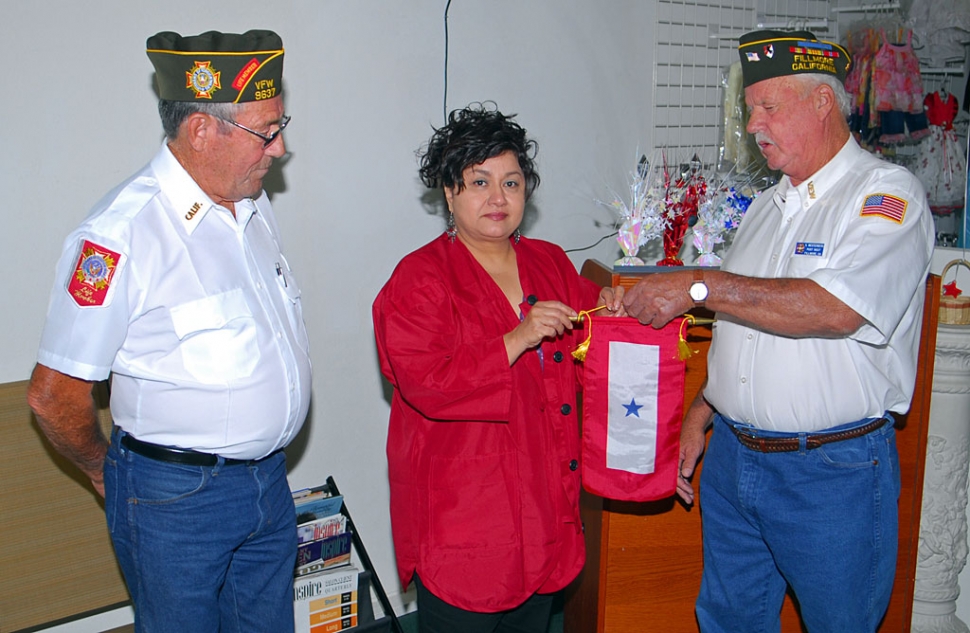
<point x="531" y="300"/>
<point x="744" y="380"/>
<point x="750" y="336"/>
<point x="557" y="357"/>
<point x="279" y="335"/>
<point x="565" y="409"/>
<point x="573" y="465"/>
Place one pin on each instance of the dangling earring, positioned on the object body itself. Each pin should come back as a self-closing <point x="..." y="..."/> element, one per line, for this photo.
<point x="517" y="236"/>
<point x="452" y="231"/>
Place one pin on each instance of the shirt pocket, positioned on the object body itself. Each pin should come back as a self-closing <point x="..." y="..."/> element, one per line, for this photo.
<point x="800" y="266"/>
<point x="294" y="304"/>
<point x="217" y="337"/>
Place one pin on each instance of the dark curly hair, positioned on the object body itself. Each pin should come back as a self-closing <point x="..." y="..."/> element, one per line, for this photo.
<point x="473" y="135"/>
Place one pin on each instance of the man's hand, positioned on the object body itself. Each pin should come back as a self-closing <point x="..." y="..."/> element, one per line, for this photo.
<point x="659" y="298"/>
<point x="692" y="441"/>
<point x="66" y="414"/>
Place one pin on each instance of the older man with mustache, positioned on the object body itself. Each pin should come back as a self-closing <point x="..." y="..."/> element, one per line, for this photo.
<point x="818" y="304"/>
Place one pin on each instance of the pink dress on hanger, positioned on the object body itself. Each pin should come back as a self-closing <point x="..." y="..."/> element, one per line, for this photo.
<point x="898" y="91"/>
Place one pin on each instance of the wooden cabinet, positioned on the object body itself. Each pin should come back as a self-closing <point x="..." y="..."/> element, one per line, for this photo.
<point x="644" y="560"/>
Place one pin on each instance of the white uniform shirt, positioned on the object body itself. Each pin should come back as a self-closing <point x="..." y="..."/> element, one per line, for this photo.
<point x="200" y="325"/>
<point x="838" y="229"/>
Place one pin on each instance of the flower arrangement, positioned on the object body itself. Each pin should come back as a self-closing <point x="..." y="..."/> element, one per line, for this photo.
<point x="663" y="204"/>
<point x="641" y="220"/>
<point x="720" y="213"/>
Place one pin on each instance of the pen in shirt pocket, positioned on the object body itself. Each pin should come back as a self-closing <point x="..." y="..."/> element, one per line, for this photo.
<point x="279" y="272"/>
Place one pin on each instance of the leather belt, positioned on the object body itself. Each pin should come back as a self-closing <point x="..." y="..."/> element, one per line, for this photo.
<point x="179" y="455"/>
<point x="791" y="444"/>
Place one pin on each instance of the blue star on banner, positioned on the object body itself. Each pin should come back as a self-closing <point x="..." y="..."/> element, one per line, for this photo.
<point x="633" y="408"/>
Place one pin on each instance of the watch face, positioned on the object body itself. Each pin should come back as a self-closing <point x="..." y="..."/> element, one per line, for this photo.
<point x="698" y="291"/>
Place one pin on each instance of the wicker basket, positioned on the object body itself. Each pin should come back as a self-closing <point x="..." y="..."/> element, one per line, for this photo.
<point x="954" y="310"/>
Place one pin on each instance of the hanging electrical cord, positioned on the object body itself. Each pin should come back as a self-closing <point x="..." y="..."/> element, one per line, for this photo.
<point x="444" y="100"/>
<point x="444" y="116"/>
<point x="596" y="243"/>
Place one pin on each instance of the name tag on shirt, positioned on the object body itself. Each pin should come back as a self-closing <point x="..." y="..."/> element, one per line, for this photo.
<point x="814" y="249"/>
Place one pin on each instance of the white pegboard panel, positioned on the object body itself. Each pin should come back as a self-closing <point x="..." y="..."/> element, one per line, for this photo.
<point x="696" y="41"/>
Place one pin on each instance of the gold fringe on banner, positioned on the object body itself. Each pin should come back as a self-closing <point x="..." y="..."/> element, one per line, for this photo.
<point x="580" y="352"/>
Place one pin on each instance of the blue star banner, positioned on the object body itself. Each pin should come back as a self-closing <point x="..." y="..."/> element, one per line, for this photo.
<point x="633" y="403"/>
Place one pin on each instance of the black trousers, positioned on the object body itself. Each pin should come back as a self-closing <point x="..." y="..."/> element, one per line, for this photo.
<point x="437" y="616"/>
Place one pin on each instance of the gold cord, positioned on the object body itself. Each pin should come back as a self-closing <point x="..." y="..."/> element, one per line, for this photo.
<point x="580" y="352"/>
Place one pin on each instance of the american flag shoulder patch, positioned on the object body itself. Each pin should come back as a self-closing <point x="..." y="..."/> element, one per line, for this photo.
<point x="884" y="205"/>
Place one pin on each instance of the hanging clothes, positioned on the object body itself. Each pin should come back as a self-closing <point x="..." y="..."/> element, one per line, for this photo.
<point x="941" y="164"/>
<point x="863" y="121"/>
<point x="897" y="91"/>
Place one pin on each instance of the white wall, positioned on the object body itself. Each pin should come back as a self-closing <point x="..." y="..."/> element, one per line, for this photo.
<point x="364" y="82"/>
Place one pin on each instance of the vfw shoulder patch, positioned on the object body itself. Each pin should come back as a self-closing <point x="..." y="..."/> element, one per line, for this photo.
<point x="885" y="206"/>
<point x="92" y="276"/>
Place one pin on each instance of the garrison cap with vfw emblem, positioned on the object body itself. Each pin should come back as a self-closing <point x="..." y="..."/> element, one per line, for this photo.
<point x="217" y="67"/>
<point x="769" y="54"/>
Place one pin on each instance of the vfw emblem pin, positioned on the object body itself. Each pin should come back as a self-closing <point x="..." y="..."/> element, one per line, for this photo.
<point x="203" y="80"/>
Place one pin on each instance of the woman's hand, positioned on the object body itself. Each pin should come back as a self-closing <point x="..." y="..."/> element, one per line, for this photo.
<point x="612" y="298"/>
<point x="546" y="319"/>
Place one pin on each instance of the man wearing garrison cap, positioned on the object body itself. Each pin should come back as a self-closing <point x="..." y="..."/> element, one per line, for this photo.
<point x="818" y="303"/>
<point x="175" y="287"/>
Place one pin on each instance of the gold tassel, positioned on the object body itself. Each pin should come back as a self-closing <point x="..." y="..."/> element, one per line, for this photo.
<point x="683" y="349"/>
<point x="580" y="352"/>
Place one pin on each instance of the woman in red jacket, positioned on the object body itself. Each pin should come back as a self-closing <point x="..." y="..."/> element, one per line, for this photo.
<point x="474" y="332"/>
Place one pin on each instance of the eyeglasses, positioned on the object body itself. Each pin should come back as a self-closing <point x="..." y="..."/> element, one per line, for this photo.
<point x="267" y="138"/>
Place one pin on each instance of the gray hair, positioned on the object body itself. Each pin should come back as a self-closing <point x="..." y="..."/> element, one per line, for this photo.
<point x="842" y="99"/>
<point x="173" y="113"/>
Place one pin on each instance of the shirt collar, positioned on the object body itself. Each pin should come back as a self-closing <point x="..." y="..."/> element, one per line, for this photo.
<point x="822" y="181"/>
<point x="189" y="203"/>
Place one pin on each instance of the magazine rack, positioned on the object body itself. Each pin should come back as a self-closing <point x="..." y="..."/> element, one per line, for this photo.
<point x="368" y="578"/>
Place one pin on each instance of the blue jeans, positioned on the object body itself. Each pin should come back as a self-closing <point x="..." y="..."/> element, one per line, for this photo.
<point x="823" y="521"/>
<point x="203" y="548"/>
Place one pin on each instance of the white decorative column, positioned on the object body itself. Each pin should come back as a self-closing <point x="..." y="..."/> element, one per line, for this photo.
<point x="943" y="522"/>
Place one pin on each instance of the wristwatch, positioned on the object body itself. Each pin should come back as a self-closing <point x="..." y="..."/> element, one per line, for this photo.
<point x="698" y="289"/>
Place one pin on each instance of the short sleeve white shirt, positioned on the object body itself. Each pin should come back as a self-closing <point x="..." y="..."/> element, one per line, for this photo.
<point x="861" y="229"/>
<point x="200" y="324"/>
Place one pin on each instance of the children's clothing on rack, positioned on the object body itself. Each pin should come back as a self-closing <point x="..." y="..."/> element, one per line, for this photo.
<point x="898" y="91"/>
<point x="941" y="163"/>
<point x="885" y="87"/>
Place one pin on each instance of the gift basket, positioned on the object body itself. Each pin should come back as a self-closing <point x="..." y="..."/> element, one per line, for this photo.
<point x="954" y="306"/>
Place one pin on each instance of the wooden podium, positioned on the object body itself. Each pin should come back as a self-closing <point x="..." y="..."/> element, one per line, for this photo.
<point x="644" y="560"/>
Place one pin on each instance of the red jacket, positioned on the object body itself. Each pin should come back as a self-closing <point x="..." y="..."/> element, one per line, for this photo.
<point x="482" y="457"/>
